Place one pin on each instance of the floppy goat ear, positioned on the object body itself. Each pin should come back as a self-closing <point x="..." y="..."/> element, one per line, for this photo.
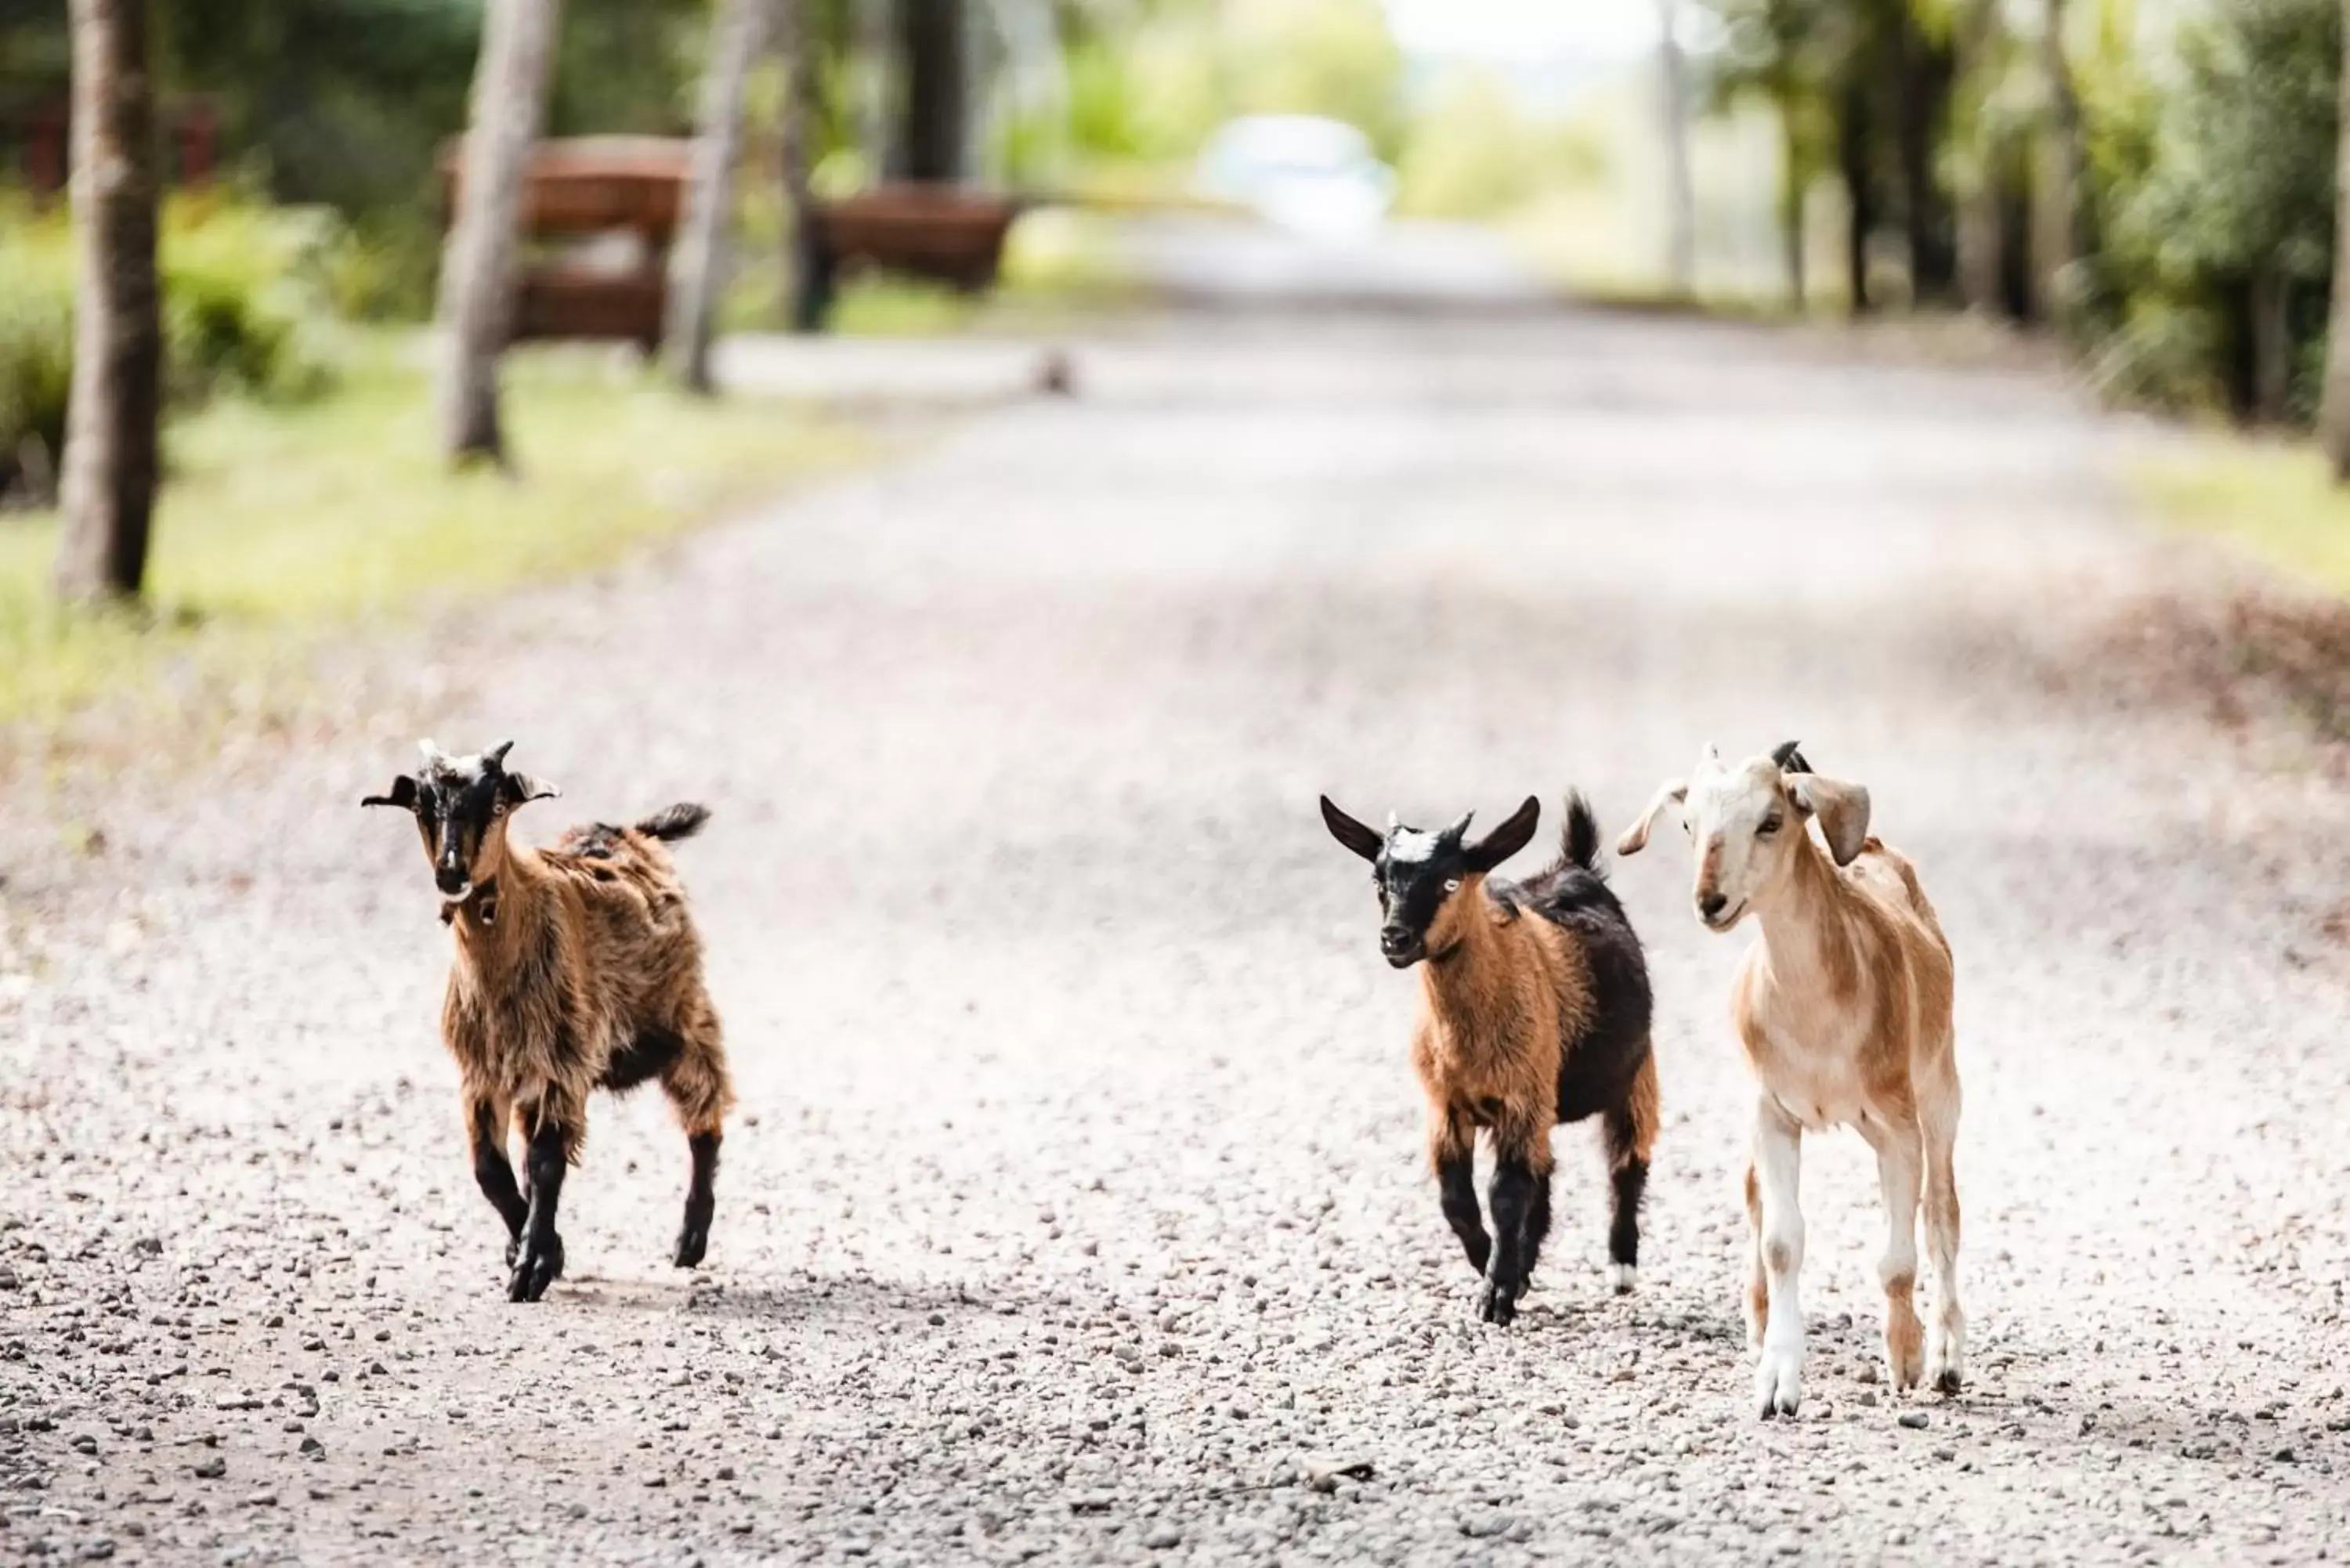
<point x="1360" y="837"/>
<point x="1842" y="808"/>
<point x="404" y="794"/>
<point x="1504" y="840"/>
<point x="1634" y="838"/>
<point x="521" y="789"/>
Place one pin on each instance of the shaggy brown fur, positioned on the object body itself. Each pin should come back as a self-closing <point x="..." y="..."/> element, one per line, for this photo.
<point x="1525" y="1023"/>
<point x="576" y="968"/>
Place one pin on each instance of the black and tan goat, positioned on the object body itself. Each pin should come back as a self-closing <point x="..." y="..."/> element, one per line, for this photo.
<point x="1523" y="1023"/>
<point x="577" y="968"/>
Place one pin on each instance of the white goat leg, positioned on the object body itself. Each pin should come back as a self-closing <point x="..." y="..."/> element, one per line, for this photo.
<point x="1899" y="1170"/>
<point x="1946" y="1348"/>
<point x="1778" y="1168"/>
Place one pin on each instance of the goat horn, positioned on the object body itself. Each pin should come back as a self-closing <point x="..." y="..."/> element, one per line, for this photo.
<point x="497" y="755"/>
<point x="1459" y="825"/>
<point x="433" y="753"/>
<point x="1393" y="821"/>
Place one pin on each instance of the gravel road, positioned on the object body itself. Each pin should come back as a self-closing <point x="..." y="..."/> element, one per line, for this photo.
<point x="1075" y="1210"/>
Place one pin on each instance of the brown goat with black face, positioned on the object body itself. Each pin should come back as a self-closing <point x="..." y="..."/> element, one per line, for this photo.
<point x="577" y="968"/>
<point x="1523" y="1023"/>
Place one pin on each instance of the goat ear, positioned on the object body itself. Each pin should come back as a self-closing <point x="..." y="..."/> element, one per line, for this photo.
<point x="1634" y="838"/>
<point x="1842" y="808"/>
<point x="1360" y="837"/>
<point x="1506" y="839"/>
<point x="404" y="794"/>
<point x="521" y="789"/>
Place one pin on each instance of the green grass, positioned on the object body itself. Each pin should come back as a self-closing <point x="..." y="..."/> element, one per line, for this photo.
<point x="2273" y="498"/>
<point x="279" y="524"/>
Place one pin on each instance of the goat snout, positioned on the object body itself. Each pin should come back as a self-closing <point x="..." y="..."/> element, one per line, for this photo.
<point x="1710" y="904"/>
<point x="452" y="877"/>
<point x="1403" y="949"/>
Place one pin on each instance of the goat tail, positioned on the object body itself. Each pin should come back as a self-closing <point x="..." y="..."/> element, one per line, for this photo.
<point x="1579" y="842"/>
<point x="673" y="823"/>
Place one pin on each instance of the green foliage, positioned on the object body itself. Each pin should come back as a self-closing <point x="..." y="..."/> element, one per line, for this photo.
<point x="2205" y="179"/>
<point x="245" y="310"/>
<point x="36" y="354"/>
<point x="245" y="300"/>
<point x="1472" y="154"/>
<point x="2241" y="172"/>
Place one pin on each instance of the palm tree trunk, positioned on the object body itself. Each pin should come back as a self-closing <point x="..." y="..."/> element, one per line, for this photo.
<point x="698" y="265"/>
<point x="478" y="264"/>
<point x="116" y="404"/>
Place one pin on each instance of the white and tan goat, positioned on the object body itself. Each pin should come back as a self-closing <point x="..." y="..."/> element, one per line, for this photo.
<point x="1843" y="1004"/>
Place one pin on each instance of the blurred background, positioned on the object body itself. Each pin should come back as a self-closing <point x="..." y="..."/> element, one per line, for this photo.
<point x="2146" y="186"/>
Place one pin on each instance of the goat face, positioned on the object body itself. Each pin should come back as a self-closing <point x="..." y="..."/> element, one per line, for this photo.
<point x="1746" y="822"/>
<point x="1418" y="875"/>
<point x="461" y="806"/>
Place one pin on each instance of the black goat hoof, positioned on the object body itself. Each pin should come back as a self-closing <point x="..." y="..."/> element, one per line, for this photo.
<point x="535" y="1270"/>
<point x="691" y="1243"/>
<point x="1496" y="1305"/>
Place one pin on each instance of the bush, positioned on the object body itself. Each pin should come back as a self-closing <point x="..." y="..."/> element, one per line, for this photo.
<point x="245" y="310"/>
<point x="36" y="360"/>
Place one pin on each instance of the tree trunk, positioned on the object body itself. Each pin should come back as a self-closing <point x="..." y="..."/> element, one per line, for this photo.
<point x="932" y="142"/>
<point x="808" y="271"/>
<point x="871" y="21"/>
<point x="116" y="404"/>
<point x="1794" y="184"/>
<point x="698" y="263"/>
<point x="2334" y="416"/>
<point x="1922" y="99"/>
<point x="1854" y="132"/>
<point x="2271" y="309"/>
<point x="479" y="262"/>
<point x="1980" y="237"/>
<point x="1681" y="196"/>
<point x="2064" y="239"/>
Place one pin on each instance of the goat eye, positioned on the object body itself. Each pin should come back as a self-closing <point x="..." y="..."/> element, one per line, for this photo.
<point x="1770" y="825"/>
<point x="1453" y="884"/>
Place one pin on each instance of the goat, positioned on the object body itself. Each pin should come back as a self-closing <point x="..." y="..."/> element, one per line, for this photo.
<point x="1843" y="1004"/>
<point x="577" y="968"/>
<point x="1523" y="1023"/>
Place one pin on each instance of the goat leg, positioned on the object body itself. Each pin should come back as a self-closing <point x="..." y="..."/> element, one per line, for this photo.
<point x="1520" y="1197"/>
<point x="1456" y="1187"/>
<point x="486" y="1132"/>
<point x="539" y="1259"/>
<point x="701" y="1199"/>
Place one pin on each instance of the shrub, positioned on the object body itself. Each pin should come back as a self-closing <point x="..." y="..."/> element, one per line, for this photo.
<point x="245" y="310"/>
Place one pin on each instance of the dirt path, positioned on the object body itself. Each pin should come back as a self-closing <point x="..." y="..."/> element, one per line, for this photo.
<point x="1076" y="1198"/>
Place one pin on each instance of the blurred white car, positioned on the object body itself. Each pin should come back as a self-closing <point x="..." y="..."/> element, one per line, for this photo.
<point x="1301" y="172"/>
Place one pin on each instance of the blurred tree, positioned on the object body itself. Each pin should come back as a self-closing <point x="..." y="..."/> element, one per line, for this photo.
<point x="1681" y="196"/>
<point x="932" y="145"/>
<point x="1786" y="54"/>
<point x="697" y="260"/>
<point x="107" y="493"/>
<point x="478" y="273"/>
<point x="807" y="286"/>
<point x="2333" y="410"/>
<point x="2235" y="214"/>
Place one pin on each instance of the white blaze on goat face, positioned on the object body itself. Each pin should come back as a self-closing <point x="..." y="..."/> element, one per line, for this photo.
<point x="1407" y="844"/>
<point x="1741" y="824"/>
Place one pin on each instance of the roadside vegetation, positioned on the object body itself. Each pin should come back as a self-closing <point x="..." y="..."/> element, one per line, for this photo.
<point x="284" y="522"/>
